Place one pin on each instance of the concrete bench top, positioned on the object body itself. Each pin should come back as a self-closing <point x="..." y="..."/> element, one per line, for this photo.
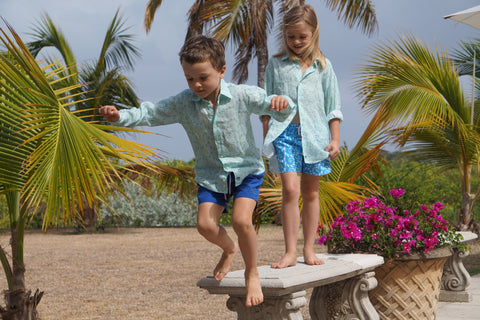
<point x="468" y="236"/>
<point x="278" y="282"/>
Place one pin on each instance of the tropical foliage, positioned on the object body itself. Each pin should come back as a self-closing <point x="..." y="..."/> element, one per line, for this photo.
<point x="247" y="24"/>
<point x="424" y="183"/>
<point x="132" y="206"/>
<point x="389" y="228"/>
<point x="48" y="153"/>
<point x="104" y="81"/>
<point x="415" y="92"/>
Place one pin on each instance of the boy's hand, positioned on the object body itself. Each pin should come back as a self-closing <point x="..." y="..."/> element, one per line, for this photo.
<point x="110" y="113"/>
<point x="333" y="149"/>
<point x="278" y="103"/>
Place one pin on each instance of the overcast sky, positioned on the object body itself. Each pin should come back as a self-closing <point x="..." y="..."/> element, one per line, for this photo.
<point x="158" y="73"/>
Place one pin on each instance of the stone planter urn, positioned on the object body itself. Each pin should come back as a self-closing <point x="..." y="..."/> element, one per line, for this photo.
<point x="409" y="286"/>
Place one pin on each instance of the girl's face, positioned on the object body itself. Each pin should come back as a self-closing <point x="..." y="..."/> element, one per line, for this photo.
<point x="203" y="79"/>
<point x="299" y="37"/>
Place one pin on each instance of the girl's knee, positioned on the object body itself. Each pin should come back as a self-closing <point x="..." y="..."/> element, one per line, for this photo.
<point x="310" y="196"/>
<point x="291" y="193"/>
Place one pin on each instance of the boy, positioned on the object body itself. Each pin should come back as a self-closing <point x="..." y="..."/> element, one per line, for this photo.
<point x="216" y="117"/>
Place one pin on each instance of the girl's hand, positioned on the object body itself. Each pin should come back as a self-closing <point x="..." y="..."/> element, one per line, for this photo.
<point x="110" y="113"/>
<point x="333" y="149"/>
<point x="278" y="103"/>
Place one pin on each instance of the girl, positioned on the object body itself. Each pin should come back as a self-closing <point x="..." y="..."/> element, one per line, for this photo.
<point x="301" y="147"/>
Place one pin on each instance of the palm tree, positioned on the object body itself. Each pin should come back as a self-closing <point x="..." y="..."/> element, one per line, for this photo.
<point x="48" y="155"/>
<point x="416" y="94"/>
<point x="246" y="23"/>
<point x="104" y="78"/>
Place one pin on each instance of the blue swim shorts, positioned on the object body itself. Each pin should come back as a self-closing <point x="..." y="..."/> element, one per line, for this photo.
<point x="249" y="188"/>
<point x="288" y="147"/>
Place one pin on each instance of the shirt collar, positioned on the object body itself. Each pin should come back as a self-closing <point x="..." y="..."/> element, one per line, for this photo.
<point x="224" y="91"/>
<point x="315" y="63"/>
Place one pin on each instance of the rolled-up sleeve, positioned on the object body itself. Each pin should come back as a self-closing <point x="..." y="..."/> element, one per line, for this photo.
<point x="332" y="94"/>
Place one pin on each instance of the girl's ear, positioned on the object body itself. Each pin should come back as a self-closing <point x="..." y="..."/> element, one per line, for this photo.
<point x="222" y="72"/>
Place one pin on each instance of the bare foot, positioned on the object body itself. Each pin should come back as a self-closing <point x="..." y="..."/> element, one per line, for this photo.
<point x="311" y="259"/>
<point x="288" y="260"/>
<point x="223" y="266"/>
<point x="254" y="289"/>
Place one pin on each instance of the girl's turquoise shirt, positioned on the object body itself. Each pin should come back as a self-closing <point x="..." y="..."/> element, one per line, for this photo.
<point x="222" y="139"/>
<point x="317" y="97"/>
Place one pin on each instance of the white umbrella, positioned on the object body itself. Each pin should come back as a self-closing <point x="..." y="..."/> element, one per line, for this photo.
<point x="469" y="17"/>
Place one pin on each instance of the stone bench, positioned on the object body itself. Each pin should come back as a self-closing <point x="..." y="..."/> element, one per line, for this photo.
<point x="340" y="289"/>
<point x="455" y="278"/>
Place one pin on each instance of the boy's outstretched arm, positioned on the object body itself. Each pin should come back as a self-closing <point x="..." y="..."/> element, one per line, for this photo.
<point x="110" y="113"/>
<point x="278" y="103"/>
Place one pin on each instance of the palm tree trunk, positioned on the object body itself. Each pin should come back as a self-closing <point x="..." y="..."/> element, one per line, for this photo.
<point x="465" y="214"/>
<point x="20" y="304"/>
<point x="262" y="61"/>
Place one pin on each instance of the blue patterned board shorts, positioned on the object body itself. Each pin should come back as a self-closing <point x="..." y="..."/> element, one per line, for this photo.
<point x="288" y="147"/>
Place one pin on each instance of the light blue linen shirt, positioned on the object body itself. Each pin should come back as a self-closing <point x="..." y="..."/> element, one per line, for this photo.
<point x="222" y="139"/>
<point x="317" y="97"/>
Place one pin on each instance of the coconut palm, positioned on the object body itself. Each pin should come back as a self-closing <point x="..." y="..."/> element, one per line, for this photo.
<point x="104" y="79"/>
<point x="415" y="91"/>
<point x="247" y="23"/>
<point x="48" y="156"/>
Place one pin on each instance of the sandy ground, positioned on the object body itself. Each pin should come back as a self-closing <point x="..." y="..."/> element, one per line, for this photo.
<point x="133" y="273"/>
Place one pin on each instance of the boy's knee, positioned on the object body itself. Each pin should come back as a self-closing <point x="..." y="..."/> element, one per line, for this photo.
<point x="205" y="227"/>
<point x="241" y="226"/>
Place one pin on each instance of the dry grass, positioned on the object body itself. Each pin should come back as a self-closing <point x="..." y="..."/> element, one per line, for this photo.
<point x="136" y="273"/>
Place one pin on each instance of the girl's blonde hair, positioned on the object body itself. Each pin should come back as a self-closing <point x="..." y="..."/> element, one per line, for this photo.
<point x="295" y="15"/>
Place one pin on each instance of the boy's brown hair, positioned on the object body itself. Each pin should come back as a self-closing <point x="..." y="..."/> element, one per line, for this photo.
<point x="201" y="49"/>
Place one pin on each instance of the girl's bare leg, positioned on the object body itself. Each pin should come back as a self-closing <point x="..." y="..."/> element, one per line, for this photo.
<point x="207" y="225"/>
<point x="290" y="218"/>
<point x="310" y="214"/>
<point x="247" y="239"/>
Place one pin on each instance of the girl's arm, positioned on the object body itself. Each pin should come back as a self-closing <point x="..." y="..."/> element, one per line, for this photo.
<point x="334" y="147"/>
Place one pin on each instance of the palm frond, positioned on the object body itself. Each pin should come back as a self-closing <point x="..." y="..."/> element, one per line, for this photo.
<point x="45" y="35"/>
<point x="406" y="82"/>
<point x="57" y="155"/>
<point x="152" y="7"/>
<point x="118" y="50"/>
<point x="359" y="13"/>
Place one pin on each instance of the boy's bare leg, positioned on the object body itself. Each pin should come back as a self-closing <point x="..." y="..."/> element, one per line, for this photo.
<point x="207" y="225"/>
<point x="247" y="239"/>
<point x="290" y="218"/>
<point x="310" y="213"/>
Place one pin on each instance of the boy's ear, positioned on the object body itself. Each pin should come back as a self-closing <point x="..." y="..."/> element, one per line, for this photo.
<point x="222" y="72"/>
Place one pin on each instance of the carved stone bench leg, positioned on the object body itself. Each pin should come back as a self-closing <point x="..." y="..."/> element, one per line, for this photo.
<point x="273" y="308"/>
<point x="347" y="299"/>
<point x="455" y="279"/>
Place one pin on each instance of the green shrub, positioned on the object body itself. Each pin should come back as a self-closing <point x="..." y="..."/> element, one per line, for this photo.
<point x="139" y="210"/>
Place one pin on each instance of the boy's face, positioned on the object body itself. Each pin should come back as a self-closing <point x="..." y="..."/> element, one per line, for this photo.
<point x="203" y="79"/>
